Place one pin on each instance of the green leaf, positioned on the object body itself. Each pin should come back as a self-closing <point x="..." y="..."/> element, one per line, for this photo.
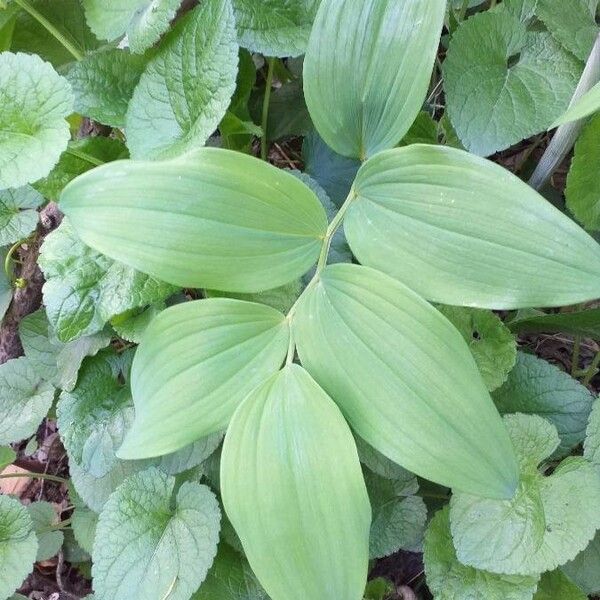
<point x="333" y="172"/>
<point x="384" y="467"/>
<point x="504" y="83"/>
<point x="52" y="359"/>
<point x="24" y="400"/>
<point x="196" y="363"/>
<point x="592" y="436"/>
<point x="462" y="230"/>
<point x="132" y="324"/>
<point x="398" y="518"/>
<point x="44" y="518"/>
<point x="584" y="569"/>
<point x="85" y="289"/>
<point x="372" y="61"/>
<point x="583" y="188"/>
<point x="155" y="542"/>
<point x="288" y="115"/>
<point x="573" y="24"/>
<point x="348" y="329"/>
<point x="80" y="156"/>
<point x="280" y="298"/>
<point x="235" y="223"/>
<point x="556" y="585"/>
<point x="34" y="101"/>
<point x="185" y="90"/>
<point x="584" y="322"/>
<point x="67" y="18"/>
<point x="275" y="27"/>
<point x="18" y="217"/>
<point x="143" y="21"/>
<point x="103" y="84"/>
<point x="424" y="130"/>
<point x="18" y="545"/>
<point x="548" y="521"/>
<point x="230" y="578"/>
<point x="93" y="420"/>
<point x="7" y="456"/>
<point x="493" y="346"/>
<point x="299" y="505"/>
<point x="535" y="386"/>
<point x="6" y="289"/>
<point x="83" y="521"/>
<point x="588" y="104"/>
<point x="448" y="579"/>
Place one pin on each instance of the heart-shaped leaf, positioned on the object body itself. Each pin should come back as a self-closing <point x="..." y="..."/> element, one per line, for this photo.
<point x="299" y="504"/>
<point x="214" y="218"/>
<point x="375" y="347"/>
<point x="462" y="230"/>
<point x="367" y="69"/>
<point x="196" y="363"/>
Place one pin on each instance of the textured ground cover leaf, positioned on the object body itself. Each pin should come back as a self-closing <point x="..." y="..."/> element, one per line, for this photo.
<point x="18" y="217"/>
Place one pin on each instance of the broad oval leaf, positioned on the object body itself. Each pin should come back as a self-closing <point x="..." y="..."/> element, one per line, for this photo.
<point x="34" y="102"/>
<point x="299" y="504"/>
<point x="154" y="541"/>
<point x="376" y="348"/>
<point x="18" y="545"/>
<point x="367" y="69"/>
<point x="196" y="363"/>
<point x="185" y="89"/>
<point x="461" y="230"/>
<point x="213" y="218"/>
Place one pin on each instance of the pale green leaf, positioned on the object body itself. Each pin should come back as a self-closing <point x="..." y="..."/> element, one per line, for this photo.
<point x="18" y="217"/>
<point x="584" y="569"/>
<point x="588" y="104"/>
<point x="234" y="223"/>
<point x="583" y="186"/>
<point x="524" y="10"/>
<point x="85" y="289"/>
<point x="185" y="89"/>
<point x="367" y="70"/>
<point x="424" y="130"/>
<point x="18" y="545"/>
<point x="548" y="521"/>
<point x="103" y="84"/>
<point x="398" y="518"/>
<point x="557" y="586"/>
<point x="535" y="386"/>
<point x="34" y="101"/>
<point x="196" y="363"/>
<point x="44" y="519"/>
<point x="375" y="347"/>
<point x="504" y="83"/>
<point x="80" y="156"/>
<point x="280" y="298"/>
<point x="493" y="346"/>
<point x="449" y="579"/>
<point x="144" y="21"/>
<point x="67" y="17"/>
<point x="592" y="437"/>
<point x="299" y="504"/>
<point x="275" y="27"/>
<point x="7" y="456"/>
<point x="93" y="420"/>
<point x="230" y="578"/>
<point x="83" y="521"/>
<point x="572" y="23"/>
<point x="132" y="324"/>
<point x="53" y="360"/>
<point x="461" y="230"/>
<point x="384" y="467"/>
<point x="24" y="400"/>
<point x="154" y="542"/>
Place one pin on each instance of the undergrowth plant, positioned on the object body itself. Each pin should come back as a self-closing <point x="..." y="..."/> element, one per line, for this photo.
<point x="343" y="346"/>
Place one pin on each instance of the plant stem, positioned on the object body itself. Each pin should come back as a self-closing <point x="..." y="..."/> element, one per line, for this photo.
<point x="85" y="156"/>
<point x="463" y="11"/>
<point x="321" y="264"/>
<point x="56" y="527"/>
<point x="591" y="370"/>
<point x="493" y="4"/>
<point x="265" y="108"/>
<point x="567" y="134"/>
<point x="54" y="478"/>
<point x="24" y="4"/>
<point x="576" y="352"/>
